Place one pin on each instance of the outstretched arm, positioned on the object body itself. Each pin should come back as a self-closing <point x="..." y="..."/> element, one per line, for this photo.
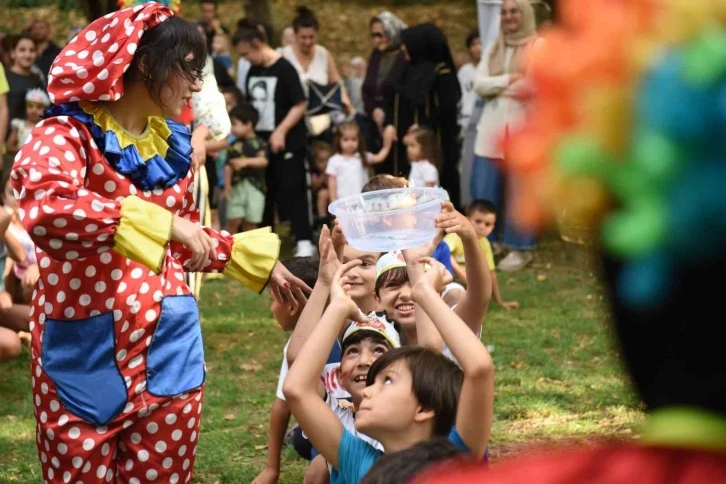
<point x="315" y="306"/>
<point x="474" y="303"/>
<point x="476" y="400"/>
<point x="318" y="421"/>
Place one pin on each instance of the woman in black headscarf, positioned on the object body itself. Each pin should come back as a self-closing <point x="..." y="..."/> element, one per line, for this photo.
<point x="426" y="92"/>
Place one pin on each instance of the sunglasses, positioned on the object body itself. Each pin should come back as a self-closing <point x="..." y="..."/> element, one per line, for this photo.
<point x="511" y="11"/>
<point x="377" y="35"/>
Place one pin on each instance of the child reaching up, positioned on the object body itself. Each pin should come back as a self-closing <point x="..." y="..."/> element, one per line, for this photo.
<point x="347" y="169"/>
<point x="483" y="216"/>
<point x="244" y="172"/>
<point x="411" y="394"/>
<point x="286" y="313"/>
<point x="423" y="154"/>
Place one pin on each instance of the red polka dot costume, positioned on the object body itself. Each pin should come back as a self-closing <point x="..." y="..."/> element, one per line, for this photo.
<point x="117" y="354"/>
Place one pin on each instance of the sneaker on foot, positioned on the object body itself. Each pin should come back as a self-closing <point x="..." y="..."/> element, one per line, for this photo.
<point x="515" y="261"/>
<point x="304" y="249"/>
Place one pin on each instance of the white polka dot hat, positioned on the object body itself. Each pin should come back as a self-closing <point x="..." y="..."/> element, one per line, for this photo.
<point x="91" y="66"/>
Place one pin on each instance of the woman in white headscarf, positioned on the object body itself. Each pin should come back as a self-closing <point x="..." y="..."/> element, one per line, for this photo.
<point x="501" y="80"/>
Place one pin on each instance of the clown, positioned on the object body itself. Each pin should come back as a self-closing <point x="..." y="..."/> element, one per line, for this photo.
<point x="105" y="189"/>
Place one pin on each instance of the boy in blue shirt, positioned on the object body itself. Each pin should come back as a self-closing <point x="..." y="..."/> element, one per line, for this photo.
<point x="412" y="394"/>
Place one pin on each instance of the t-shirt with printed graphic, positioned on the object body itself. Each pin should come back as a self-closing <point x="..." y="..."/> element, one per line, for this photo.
<point x="248" y="148"/>
<point x="328" y="375"/>
<point x="273" y="91"/>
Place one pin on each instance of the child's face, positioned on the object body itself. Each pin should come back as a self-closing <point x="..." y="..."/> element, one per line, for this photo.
<point x="355" y="363"/>
<point x="230" y="100"/>
<point x="33" y="111"/>
<point x="284" y="314"/>
<point x="362" y="279"/>
<point x="24" y="53"/>
<point x="345" y="69"/>
<point x="483" y="223"/>
<point x="475" y="51"/>
<point x="359" y="69"/>
<point x="396" y="300"/>
<point x="219" y="44"/>
<point x="389" y="405"/>
<point x="321" y="159"/>
<point x="349" y="142"/>
<point x="241" y="130"/>
<point x="413" y="149"/>
<point x="9" y="196"/>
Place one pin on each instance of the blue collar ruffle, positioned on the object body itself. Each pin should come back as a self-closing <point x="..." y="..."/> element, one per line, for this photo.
<point x="148" y="171"/>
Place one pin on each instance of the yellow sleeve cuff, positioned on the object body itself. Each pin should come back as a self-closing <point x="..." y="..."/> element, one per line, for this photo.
<point x="253" y="257"/>
<point x="143" y="232"/>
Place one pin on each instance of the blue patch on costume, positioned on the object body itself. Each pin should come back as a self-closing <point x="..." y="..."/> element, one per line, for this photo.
<point x="156" y="172"/>
<point x="79" y="357"/>
<point x="175" y="363"/>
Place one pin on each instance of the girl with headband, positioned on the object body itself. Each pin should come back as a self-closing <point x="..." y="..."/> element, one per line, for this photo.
<point x="104" y="187"/>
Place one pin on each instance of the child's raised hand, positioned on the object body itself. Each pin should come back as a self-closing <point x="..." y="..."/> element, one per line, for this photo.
<point x="329" y="262"/>
<point x="509" y="305"/>
<point x="434" y="274"/>
<point x="339" y="241"/>
<point x="339" y="291"/>
<point x="452" y="221"/>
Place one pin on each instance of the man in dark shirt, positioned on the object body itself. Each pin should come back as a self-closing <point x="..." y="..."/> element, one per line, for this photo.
<point x="209" y="20"/>
<point x="39" y="30"/>
<point x="274" y="89"/>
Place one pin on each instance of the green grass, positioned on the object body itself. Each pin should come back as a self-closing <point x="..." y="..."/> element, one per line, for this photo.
<point x="558" y="374"/>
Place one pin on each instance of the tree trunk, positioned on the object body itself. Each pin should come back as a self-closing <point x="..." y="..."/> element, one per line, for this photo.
<point x="259" y="10"/>
<point x="94" y="9"/>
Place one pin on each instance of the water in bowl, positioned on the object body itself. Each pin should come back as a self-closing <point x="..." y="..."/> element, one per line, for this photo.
<point x="391" y="240"/>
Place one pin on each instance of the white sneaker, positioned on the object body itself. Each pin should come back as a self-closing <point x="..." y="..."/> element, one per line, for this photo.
<point x="515" y="261"/>
<point x="304" y="248"/>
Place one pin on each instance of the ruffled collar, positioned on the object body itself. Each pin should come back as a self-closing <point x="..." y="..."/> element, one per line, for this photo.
<point x="159" y="157"/>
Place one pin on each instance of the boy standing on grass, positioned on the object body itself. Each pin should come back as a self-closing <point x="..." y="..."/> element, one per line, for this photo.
<point x="244" y="172"/>
<point x="483" y="216"/>
<point x="411" y="395"/>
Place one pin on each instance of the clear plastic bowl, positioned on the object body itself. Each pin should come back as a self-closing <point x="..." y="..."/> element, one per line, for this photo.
<point x="387" y="220"/>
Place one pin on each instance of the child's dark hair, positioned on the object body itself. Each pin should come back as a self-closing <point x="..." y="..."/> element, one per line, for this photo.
<point x="377" y="338"/>
<point x="305" y="19"/>
<point x="348" y="125"/>
<point x="239" y="98"/>
<point x="404" y="465"/>
<point x="384" y="182"/>
<point x="15" y="40"/>
<point x="304" y="268"/>
<point x="436" y="382"/>
<point x="246" y="113"/>
<point x="396" y="276"/>
<point x="248" y="31"/>
<point x="481" y="206"/>
<point x="473" y="35"/>
<point x="429" y="145"/>
<point x="321" y="146"/>
<point x="162" y="52"/>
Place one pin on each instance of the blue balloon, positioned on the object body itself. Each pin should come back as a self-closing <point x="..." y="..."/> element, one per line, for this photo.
<point x="644" y="283"/>
<point x="667" y="102"/>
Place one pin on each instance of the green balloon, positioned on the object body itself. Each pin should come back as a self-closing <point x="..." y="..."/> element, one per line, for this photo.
<point x="705" y="58"/>
<point x="656" y="157"/>
<point x="636" y="231"/>
<point x="581" y="155"/>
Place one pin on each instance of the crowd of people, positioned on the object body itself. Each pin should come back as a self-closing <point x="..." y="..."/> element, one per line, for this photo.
<point x="395" y="337"/>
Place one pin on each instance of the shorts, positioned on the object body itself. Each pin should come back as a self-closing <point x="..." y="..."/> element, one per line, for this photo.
<point x="246" y="202"/>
